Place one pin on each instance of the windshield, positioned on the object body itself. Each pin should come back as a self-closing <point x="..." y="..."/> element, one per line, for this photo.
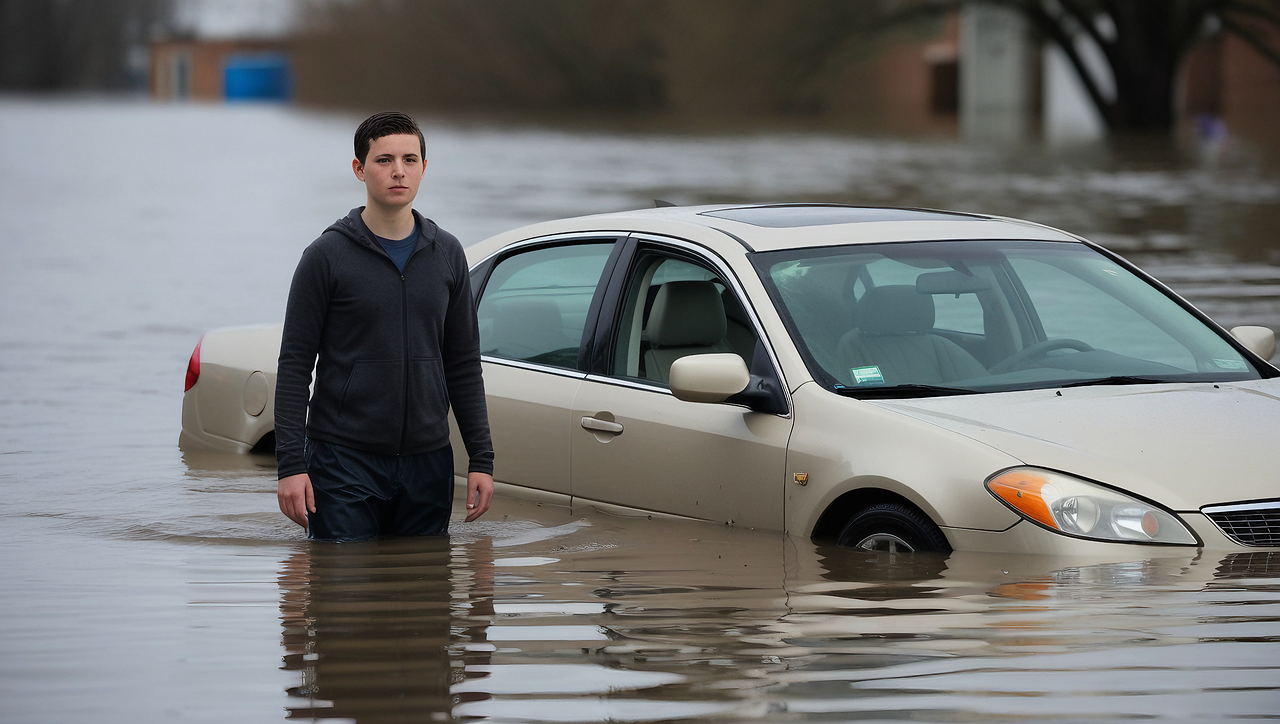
<point x="927" y="318"/>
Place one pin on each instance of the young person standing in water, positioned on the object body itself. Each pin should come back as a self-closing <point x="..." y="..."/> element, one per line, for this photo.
<point x="381" y="306"/>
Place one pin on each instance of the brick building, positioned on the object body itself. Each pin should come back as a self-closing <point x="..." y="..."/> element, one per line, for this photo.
<point x="215" y="70"/>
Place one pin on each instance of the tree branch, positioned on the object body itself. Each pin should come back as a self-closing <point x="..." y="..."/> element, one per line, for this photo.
<point x="1052" y="28"/>
<point x="1252" y="38"/>
<point x="1244" y="7"/>
<point x="1081" y="16"/>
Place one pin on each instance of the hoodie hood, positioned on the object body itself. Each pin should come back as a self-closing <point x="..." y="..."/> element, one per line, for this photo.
<point x="353" y="227"/>
<point x="1182" y="445"/>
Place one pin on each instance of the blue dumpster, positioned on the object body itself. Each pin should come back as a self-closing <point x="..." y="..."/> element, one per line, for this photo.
<point x="257" y="77"/>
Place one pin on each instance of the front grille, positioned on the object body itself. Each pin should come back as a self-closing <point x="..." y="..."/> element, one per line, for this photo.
<point x="1249" y="524"/>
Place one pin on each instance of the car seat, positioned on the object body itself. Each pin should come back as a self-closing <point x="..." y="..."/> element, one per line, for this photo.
<point x="894" y="335"/>
<point x="687" y="318"/>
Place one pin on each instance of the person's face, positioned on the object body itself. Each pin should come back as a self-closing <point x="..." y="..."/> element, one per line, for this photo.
<point x="393" y="170"/>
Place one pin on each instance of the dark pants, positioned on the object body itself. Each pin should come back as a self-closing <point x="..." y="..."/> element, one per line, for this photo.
<point x="361" y="495"/>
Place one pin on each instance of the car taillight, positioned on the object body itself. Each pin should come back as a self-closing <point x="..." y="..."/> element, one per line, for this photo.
<point x="193" y="367"/>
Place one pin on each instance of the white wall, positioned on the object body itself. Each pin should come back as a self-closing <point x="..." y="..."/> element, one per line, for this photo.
<point x="1068" y="114"/>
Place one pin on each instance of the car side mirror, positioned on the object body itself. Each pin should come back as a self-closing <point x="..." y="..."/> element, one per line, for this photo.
<point x="708" y="377"/>
<point x="1258" y="340"/>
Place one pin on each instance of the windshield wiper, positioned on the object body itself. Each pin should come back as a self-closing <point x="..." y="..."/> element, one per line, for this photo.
<point x="902" y="391"/>
<point x="1118" y="380"/>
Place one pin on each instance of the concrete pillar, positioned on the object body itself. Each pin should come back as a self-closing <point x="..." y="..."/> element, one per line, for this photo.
<point x="999" y="75"/>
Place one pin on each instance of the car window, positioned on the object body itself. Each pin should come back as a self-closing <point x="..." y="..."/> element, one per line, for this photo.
<point x="674" y="307"/>
<point x="534" y="306"/>
<point x="1070" y="306"/>
<point x="947" y="317"/>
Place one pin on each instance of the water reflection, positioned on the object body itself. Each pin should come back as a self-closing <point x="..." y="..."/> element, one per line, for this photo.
<point x="547" y="614"/>
<point x="1245" y="566"/>
<point x="370" y="627"/>
<point x="1029" y="638"/>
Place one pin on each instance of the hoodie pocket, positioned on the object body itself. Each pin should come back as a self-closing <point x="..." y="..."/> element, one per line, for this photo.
<point x="370" y="407"/>
<point x="428" y="400"/>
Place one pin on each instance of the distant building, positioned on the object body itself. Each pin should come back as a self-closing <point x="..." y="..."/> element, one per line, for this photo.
<point x="911" y="87"/>
<point x="226" y="50"/>
<point x="1228" y="87"/>
<point x="214" y="70"/>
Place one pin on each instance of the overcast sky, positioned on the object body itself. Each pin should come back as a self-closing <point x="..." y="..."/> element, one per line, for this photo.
<point x="237" y="18"/>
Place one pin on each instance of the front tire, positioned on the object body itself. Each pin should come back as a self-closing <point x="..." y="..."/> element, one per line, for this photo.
<point x="892" y="528"/>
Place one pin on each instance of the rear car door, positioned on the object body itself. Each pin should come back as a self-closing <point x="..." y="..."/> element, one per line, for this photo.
<point x="635" y="445"/>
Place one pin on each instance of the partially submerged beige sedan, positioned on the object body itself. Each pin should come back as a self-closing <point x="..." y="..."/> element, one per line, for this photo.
<point x="891" y="379"/>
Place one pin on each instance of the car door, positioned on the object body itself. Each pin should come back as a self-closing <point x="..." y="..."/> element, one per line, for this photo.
<point x="535" y="303"/>
<point x="633" y="443"/>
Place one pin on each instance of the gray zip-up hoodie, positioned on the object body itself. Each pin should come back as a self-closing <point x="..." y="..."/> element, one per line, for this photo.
<point x="395" y="350"/>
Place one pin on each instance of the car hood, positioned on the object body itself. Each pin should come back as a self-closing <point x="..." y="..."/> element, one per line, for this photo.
<point x="1182" y="445"/>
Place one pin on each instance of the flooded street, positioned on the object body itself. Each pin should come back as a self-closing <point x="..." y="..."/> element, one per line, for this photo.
<point x="139" y="584"/>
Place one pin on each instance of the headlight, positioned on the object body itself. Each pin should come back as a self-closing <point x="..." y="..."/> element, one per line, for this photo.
<point x="1079" y="508"/>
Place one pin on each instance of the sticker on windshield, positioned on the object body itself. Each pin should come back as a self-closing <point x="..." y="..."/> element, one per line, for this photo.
<point x="1231" y="364"/>
<point x="866" y="375"/>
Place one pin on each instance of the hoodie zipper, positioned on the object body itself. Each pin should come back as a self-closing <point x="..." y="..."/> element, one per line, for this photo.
<point x="404" y="329"/>
<point x="404" y="323"/>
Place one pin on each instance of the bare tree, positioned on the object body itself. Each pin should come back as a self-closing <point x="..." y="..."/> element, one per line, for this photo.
<point x="508" y="54"/>
<point x="73" y="44"/>
<point x="752" y="57"/>
<point x="1144" y="43"/>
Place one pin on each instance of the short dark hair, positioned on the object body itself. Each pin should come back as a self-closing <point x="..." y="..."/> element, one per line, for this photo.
<point x="387" y="123"/>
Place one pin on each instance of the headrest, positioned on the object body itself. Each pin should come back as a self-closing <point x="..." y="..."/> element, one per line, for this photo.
<point x="895" y="309"/>
<point x="686" y="314"/>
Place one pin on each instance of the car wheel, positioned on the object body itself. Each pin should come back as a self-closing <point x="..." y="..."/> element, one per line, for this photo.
<point x="892" y="528"/>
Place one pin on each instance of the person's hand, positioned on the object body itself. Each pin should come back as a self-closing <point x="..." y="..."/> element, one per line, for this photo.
<point x="479" y="493"/>
<point x="297" y="498"/>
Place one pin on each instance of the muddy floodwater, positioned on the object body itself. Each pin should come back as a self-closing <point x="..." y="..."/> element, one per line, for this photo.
<point x="139" y="584"/>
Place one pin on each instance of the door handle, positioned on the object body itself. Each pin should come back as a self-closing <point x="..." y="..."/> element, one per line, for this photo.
<point x="597" y="425"/>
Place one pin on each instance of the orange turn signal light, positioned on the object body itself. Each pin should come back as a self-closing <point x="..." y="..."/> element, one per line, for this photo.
<point x="1023" y="491"/>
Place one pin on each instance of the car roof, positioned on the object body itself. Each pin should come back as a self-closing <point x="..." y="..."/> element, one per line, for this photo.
<point x="773" y="227"/>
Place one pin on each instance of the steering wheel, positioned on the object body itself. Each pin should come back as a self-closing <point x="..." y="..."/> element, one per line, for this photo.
<point x="1037" y="351"/>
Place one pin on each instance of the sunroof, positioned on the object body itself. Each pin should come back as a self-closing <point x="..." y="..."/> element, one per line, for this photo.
<point x="784" y="217"/>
